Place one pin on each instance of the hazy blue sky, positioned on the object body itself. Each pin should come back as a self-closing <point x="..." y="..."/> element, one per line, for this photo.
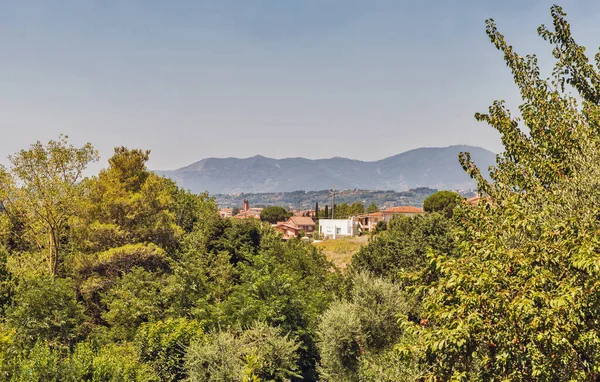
<point x="191" y="79"/>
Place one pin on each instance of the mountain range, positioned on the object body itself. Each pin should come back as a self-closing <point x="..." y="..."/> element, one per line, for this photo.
<point x="434" y="167"/>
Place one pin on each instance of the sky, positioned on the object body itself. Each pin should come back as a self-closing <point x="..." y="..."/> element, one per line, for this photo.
<point x="191" y="79"/>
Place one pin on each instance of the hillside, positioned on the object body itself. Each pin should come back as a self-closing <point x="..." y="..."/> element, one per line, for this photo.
<point x="303" y="200"/>
<point x="424" y="167"/>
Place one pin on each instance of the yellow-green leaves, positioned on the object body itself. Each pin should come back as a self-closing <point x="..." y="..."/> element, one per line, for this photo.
<point x="43" y="190"/>
<point x="520" y="300"/>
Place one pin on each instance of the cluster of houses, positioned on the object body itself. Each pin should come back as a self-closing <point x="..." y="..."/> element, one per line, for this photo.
<point x="254" y="212"/>
<point x="244" y="213"/>
<point x="302" y="224"/>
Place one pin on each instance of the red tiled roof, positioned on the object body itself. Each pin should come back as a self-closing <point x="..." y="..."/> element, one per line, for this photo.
<point x="474" y="200"/>
<point x="286" y="225"/>
<point x="373" y="215"/>
<point x="301" y="221"/>
<point x="248" y="214"/>
<point x="404" y="210"/>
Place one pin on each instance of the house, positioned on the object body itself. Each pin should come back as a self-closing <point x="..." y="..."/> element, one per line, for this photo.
<point x="249" y="213"/>
<point x="304" y="223"/>
<point x="474" y="200"/>
<point x="368" y="222"/>
<point x="332" y="228"/>
<point x="288" y="230"/>
<point x="295" y="224"/>
<point x="226" y="212"/>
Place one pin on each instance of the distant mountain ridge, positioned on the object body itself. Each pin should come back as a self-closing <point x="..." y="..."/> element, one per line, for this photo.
<point x="434" y="167"/>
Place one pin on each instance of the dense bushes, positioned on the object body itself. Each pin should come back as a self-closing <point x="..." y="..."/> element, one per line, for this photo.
<point x="147" y="279"/>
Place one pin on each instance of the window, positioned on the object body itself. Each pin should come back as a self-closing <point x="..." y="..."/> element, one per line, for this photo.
<point x="338" y="230"/>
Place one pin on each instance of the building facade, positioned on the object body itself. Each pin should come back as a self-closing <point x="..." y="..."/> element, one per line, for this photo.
<point x="333" y="228"/>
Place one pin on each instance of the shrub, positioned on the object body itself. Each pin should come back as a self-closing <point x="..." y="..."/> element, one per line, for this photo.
<point x="162" y="345"/>
<point x="111" y="362"/>
<point x="364" y="324"/>
<point x="260" y="352"/>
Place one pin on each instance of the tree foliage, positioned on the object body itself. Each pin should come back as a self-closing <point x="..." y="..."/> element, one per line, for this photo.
<point x="345" y="210"/>
<point x="127" y="204"/>
<point x="403" y="247"/>
<point x="442" y="201"/>
<point x="518" y="300"/>
<point x="163" y="345"/>
<point x="142" y="270"/>
<point x="42" y="191"/>
<point x="259" y="353"/>
<point x="139" y="280"/>
<point x="45" y="309"/>
<point x="372" y="208"/>
<point x="364" y="327"/>
<point x="274" y="214"/>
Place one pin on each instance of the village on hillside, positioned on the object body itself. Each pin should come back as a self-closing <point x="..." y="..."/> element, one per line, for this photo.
<point x="311" y="224"/>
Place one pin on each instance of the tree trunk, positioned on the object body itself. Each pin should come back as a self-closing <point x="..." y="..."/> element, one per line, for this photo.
<point x="53" y="252"/>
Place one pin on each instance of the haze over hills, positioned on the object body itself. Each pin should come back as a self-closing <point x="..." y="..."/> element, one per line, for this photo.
<point x="434" y="167"/>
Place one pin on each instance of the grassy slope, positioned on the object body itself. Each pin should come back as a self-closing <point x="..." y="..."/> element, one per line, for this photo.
<point x="340" y="251"/>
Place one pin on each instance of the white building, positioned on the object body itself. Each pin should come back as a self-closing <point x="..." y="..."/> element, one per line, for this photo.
<point x="332" y="228"/>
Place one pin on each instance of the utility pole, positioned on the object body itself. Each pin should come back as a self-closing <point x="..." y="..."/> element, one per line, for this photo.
<point x="332" y="192"/>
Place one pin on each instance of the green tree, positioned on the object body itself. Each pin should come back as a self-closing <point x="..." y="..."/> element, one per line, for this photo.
<point x="402" y="249"/>
<point x="356" y="208"/>
<point x="341" y="211"/>
<point x="97" y="274"/>
<point x="127" y="204"/>
<point x="194" y="212"/>
<point x="442" y="201"/>
<point x="44" y="192"/>
<point x="364" y="325"/>
<point x="372" y="208"/>
<point x="517" y="300"/>
<point x="274" y="214"/>
<point x="285" y="284"/>
<point x="40" y="363"/>
<point x="380" y="227"/>
<point x="239" y="238"/>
